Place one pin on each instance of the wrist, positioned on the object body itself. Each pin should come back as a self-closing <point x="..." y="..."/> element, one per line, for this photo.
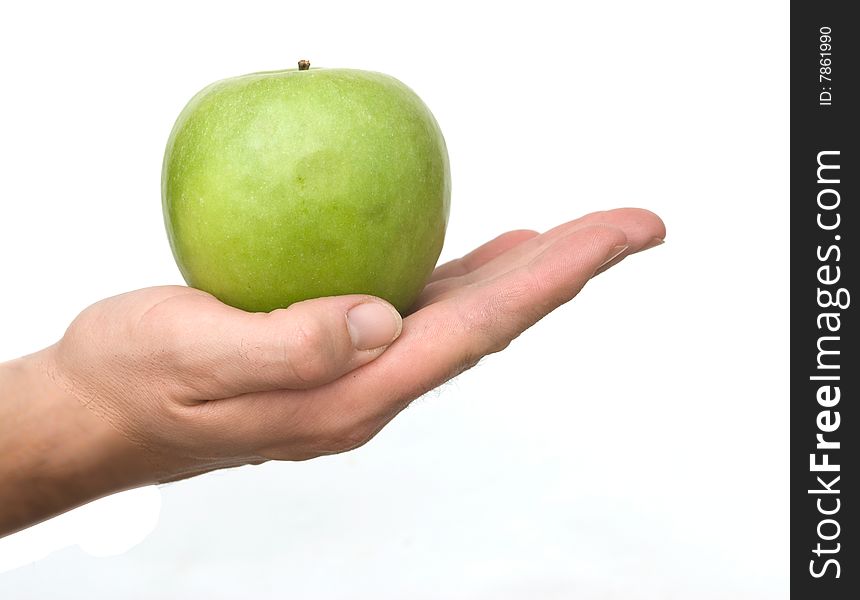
<point x="55" y="454"/>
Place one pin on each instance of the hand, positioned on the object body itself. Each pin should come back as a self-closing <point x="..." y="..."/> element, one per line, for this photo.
<point x="181" y="384"/>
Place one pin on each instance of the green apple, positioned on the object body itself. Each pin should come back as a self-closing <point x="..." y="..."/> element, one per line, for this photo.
<point x="287" y="185"/>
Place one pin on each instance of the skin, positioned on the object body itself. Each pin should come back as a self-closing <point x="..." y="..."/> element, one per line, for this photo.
<point x="168" y="382"/>
<point x="266" y="176"/>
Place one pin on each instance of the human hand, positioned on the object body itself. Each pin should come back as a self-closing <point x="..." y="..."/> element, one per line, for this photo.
<point x="181" y="384"/>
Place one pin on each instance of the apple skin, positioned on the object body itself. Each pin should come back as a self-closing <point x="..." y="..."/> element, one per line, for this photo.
<point x="287" y="185"/>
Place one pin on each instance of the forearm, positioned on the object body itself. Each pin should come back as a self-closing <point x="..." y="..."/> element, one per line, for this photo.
<point x="54" y="453"/>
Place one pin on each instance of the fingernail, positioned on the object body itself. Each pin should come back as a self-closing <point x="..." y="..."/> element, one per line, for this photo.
<point x="613" y="254"/>
<point x="373" y="325"/>
<point x="653" y="243"/>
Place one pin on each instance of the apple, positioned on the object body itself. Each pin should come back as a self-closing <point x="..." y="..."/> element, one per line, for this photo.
<point x="286" y="185"/>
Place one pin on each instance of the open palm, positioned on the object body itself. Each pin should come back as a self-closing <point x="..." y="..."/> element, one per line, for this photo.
<point x="200" y="385"/>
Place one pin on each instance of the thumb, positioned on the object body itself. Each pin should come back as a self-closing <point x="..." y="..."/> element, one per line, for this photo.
<point x="229" y="352"/>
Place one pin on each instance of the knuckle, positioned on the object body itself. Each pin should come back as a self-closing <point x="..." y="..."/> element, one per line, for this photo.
<point x="343" y="436"/>
<point x="467" y="361"/>
<point x="307" y="352"/>
<point x="496" y="321"/>
<point x="601" y="235"/>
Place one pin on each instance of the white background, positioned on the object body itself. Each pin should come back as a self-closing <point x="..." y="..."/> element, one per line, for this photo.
<point x="632" y="445"/>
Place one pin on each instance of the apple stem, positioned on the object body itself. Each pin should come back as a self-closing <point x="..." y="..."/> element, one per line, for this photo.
<point x="304" y="65"/>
